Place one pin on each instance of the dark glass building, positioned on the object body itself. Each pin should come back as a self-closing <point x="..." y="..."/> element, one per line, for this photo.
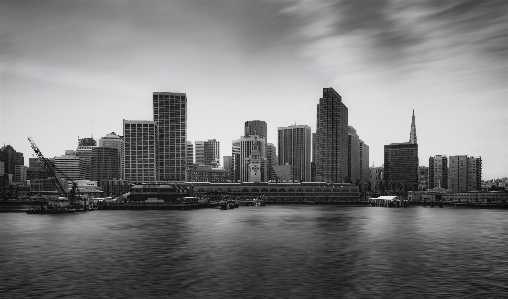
<point x="401" y="163"/>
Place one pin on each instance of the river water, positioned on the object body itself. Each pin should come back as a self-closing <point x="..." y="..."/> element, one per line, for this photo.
<point x="257" y="252"/>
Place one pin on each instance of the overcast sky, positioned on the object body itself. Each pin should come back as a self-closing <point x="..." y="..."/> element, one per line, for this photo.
<point x="67" y="64"/>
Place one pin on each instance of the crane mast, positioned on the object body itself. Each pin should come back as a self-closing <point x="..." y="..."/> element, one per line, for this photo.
<point x="49" y="170"/>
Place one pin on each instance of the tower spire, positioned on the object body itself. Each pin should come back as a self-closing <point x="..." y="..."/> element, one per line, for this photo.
<point x="412" y="135"/>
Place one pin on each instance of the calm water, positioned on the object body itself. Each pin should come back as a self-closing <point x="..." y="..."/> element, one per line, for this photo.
<point x="257" y="252"/>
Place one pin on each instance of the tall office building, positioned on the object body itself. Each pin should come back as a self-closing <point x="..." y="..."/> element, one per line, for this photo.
<point x="199" y="147"/>
<point x="2" y="168"/>
<point x="11" y="158"/>
<point x="423" y="177"/>
<point x="353" y="155"/>
<point x="190" y="153"/>
<point x="464" y="173"/>
<point x="331" y="138"/>
<point x="20" y="174"/>
<point x="256" y="127"/>
<point x="253" y="164"/>
<point x="295" y="149"/>
<point x="112" y="140"/>
<point x="69" y="167"/>
<point x="412" y="135"/>
<point x="401" y="163"/>
<point x="212" y="152"/>
<point x="376" y="176"/>
<point x="313" y="162"/>
<point x="271" y="160"/>
<point x="141" y="151"/>
<point x="364" y="162"/>
<point x="170" y="115"/>
<point x="228" y="163"/>
<point x="105" y="164"/>
<point x="235" y="155"/>
<point x="84" y="152"/>
<point x="438" y="172"/>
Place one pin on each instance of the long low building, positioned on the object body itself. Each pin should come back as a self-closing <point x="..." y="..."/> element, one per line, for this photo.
<point x="442" y="195"/>
<point x="305" y="191"/>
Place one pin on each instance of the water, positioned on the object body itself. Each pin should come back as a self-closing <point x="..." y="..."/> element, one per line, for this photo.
<point x="257" y="252"/>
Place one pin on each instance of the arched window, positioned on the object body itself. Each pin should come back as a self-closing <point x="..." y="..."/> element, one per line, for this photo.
<point x="264" y="190"/>
<point x="273" y="190"/>
<point x="245" y="190"/>
<point x="318" y="190"/>
<point x="254" y="190"/>
<point x="291" y="190"/>
<point x="282" y="190"/>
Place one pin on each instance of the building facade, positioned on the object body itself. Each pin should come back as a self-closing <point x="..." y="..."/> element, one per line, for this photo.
<point x="11" y="158"/>
<point x="105" y="164"/>
<point x="205" y="173"/>
<point x="141" y="151"/>
<point x="401" y="163"/>
<point x="295" y="143"/>
<point x="212" y="152"/>
<point x="112" y="140"/>
<point x="353" y="155"/>
<point x="364" y="162"/>
<point x="423" y="177"/>
<point x="331" y="138"/>
<point x="438" y="172"/>
<point x="200" y="152"/>
<point x="190" y="153"/>
<point x="271" y="160"/>
<point x="376" y="176"/>
<point x="20" y="174"/>
<point x="235" y="156"/>
<point x="464" y="173"/>
<point x="170" y="115"/>
<point x="69" y="167"/>
<point x="253" y="164"/>
<point x="256" y="127"/>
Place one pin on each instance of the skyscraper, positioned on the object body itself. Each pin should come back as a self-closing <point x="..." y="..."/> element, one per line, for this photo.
<point x="253" y="164"/>
<point x="190" y="153"/>
<point x="271" y="160"/>
<point x="84" y="152"/>
<point x="464" y="173"/>
<point x="256" y="127"/>
<point x="141" y="151"/>
<point x="412" y="135"/>
<point x="170" y="114"/>
<point x="199" y="147"/>
<point x="438" y="172"/>
<point x="105" y="164"/>
<point x="112" y="140"/>
<point x="11" y="158"/>
<point x="235" y="155"/>
<point x="364" y="162"/>
<point x="295" y="149"/>
<point x="331" y="138"/>
<point x="212" y="152"/>
<point x="401" y="164"/>
<point x="353" y="155"/>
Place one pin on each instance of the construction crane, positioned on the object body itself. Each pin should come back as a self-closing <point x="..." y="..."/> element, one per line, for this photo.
<point x="51" y="173"/>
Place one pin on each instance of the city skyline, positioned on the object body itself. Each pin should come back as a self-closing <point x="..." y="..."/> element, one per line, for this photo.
<point x="71" y="70"/>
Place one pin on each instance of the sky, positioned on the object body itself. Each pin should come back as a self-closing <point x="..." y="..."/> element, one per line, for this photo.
<point x="72" y="69"/>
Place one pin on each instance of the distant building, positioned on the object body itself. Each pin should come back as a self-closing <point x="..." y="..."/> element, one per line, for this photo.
<point x="115" y="187"/>
<point x="376" y="176"/>
<point x="69" y="167"/>
<point x="423" y="177"/>
<point x="253" y="164"/>
<point x="364" y="162"/>
<point x="228" y="162"/>
<point x="235" y="155"/>
<point x="438" y="172"/>
<point x="205" y="173"/>
<point x="464" y="173"/>
<point x="11" y="158"/>
<point x="331" y="138"/>
<point x="283" y="173"/>
<point x="141" y="151"/>
<point x="256" y="127"/>
<point x="401" y="163"/>
<point x="170" y="115"/>
<point x="212" y="152"/>
<point x="353" y="155"/>
<point x="86" y="142"/>
<point x="271" y="160"/>
<point x="105" y="164"/>
<point x="295" y="149"/>
<point x="20" y="175"/>
<point x="112" y="140"/>
<point x="412" y="135"/>
<point x="2" y="168"/>
<point x="199" y="147"/>
<point x="84" y="152"/>
<point x="190" y="153"/>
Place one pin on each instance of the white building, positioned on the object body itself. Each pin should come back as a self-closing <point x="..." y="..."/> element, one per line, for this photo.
<point x="141" y="139"/>
<point x="112" y="140"/>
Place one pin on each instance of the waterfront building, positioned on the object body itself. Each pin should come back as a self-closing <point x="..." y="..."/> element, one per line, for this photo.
<point x="112" y="140"/>
<point x="190" y="153"/>
<point x="11" y="158"/>
<point x="20" y="174"/>
<point x="353" y="155"/>
<point x="84" y="152"/>
<point x="256" y="127"/>
<point x="331" y="138"/>
<point x="295" y="149"/>
<point x="376" y="176"/>
<point x="438" y="172"/>
<point x="271" y="160"/>
<point x="401" y="163"/>
<point x="464" y="173"/>
<point x="200" y="152"/>
<point x="206" y="173"/>
<point x="364" y="162"/>
<point x="141" y="151"/>
<point x="253" y="164"/>
<point x="69" y="167"/>
<point x="283" y="173"/>
<point x="170" y="115"/>
<point x="228" y="162"/>
<point x="115" y="187"/>
<point x="423" y="177"/>
<point x="105" y="164"/>
<point x="212" y="152"/>
<point x="164" y="192"/>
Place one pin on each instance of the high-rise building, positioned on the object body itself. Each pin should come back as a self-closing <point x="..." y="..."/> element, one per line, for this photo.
<point x="313" y="162"/>
<point x="331" y="138"/>
<point x="364" y="162"/>
<point x="412" y="135"/>
<point x="11" y="158"/>
<point x="20" y="174"/>
<point x="438" y="172"/>
<point x="353" y="155"/>
<point x="235" y="154"/>
<point x="200" y="152"/>
<point x="401" y="163"/>
<point x="170" y="114"/>
<point x="464" y="173"/>
<point x="423" y="177"/>
<point x="271" y="160"/>
<point x="190" y="153"/>
<point x="212" y="152"/>
<point x="105" y="164"/>
<point x="141" y="139"/>
<point x="112" y="140"/>
<point x="376" y="176"/>
<point x="228" y="163"/>
<point x="87" y="142"/>
<point x="69" y="167"/>
<point x="2" y="168"/>
<point x="295" y="149"/>
<point x="256" y="127"/>
<point x="253" y="164"/>
<point x="84" y="152"/>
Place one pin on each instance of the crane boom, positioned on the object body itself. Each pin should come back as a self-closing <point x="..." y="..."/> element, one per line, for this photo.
<point x="48" y="168"/>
